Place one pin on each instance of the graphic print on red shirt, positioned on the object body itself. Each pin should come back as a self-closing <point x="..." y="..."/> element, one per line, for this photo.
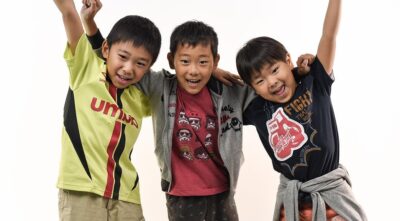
<point x="197" y="167"/>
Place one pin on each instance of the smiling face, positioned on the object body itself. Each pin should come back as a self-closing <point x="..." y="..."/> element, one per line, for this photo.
<point x="126" y="64"/>
<point x="275" y="82"/>
<point x="193" y="65"/>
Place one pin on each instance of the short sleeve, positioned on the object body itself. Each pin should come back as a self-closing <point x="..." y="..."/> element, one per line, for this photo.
<point x="83" y="65"/>
<point x="321" y="78"/>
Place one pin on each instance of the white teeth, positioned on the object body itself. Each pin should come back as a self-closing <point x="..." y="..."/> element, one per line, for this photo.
<point x="279" y="90"/>
<point x="124" y="78"/>
<point x="194" y="81"/>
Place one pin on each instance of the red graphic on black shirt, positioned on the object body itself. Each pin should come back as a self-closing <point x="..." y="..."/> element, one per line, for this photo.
<point x="285" y="135"/>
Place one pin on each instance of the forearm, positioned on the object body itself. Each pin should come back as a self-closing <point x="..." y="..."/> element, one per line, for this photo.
<point x="90" y="26"/>
<point x="72" y="23"/>
<point x="332" y="18"/>
<point x="327" y="44"/>
<point x="88" y="12"/>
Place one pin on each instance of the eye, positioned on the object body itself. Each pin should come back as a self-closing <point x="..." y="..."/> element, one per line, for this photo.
<point x="141" y="64"/>
<point x="275" y="70"/>
<point x="204" y="62"/>
<point x="184" y="61"/>
<point x="259" y="82"/>
<point x="122" y="56"/>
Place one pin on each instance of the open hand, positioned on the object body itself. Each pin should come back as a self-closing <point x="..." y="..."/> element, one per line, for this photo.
<point x="227" y="77"/>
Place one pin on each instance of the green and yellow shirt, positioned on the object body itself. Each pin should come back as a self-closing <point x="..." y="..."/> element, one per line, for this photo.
<point x="101" y="124"/>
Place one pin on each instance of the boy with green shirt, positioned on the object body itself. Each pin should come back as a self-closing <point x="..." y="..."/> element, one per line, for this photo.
<point x="102" y="118"/>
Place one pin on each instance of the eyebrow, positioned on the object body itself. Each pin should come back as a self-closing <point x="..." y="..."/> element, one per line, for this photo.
<point x="205" y="55"/>
<point x="255" y="75"/>
<point x="127" y="52"/>
<point x="144" y="59"/>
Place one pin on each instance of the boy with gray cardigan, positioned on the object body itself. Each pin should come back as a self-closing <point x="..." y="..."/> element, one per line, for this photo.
<point x="197" y="123"/>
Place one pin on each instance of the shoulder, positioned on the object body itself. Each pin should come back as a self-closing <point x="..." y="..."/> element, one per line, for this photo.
<point x="159" y="75"/>
<point x="84" y="66"/>
<point x="82" y="56"/>
<point x="254" y="110"/>
<point x="83" y="47"/>
<point x="318" y="68"/>
<point x="319" y="75"/>
<point x="257" y="103"/>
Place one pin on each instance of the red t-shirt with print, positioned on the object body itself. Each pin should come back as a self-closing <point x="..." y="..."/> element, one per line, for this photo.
<point x="197" y="168"/>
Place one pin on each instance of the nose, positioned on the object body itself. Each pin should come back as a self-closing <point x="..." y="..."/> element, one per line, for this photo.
<point x="128" y="69"/>
<point x="193" y="70"/>
<point x="272" y="82"/>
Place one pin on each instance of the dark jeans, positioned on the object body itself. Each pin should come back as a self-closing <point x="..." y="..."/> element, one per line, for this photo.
<point x="219" y="207"/>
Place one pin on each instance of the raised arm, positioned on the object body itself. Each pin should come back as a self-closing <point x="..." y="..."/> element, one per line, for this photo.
<point x="327" y="44"/>
<point x="72" y="23"/>
<point x="88" y="12"/>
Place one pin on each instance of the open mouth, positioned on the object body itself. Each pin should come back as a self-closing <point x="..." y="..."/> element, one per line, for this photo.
<point x="193" y="82"/>
<point x="280" y="91"/>
<point x="123" y="78"/>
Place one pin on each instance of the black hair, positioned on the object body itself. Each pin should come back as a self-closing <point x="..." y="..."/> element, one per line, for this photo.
<point x="256" y="53"/>
<point x="194" y="33"/>
<point x="138" y="30"/>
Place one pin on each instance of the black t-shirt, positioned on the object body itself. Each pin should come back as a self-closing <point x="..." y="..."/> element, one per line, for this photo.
<point x="301" y="135"/>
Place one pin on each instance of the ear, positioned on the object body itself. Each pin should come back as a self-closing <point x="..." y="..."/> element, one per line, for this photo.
<point x="170" y="58"/>
<point x="216" y="60"/>
<point x="289" y="61"/>
<point x="105" y="49"/>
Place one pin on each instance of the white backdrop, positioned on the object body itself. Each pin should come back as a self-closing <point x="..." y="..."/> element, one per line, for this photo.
<point x="35" y="82"/>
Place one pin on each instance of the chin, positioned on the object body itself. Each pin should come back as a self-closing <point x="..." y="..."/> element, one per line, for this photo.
<point x="193" y="91"/>
<point x="122" y="87"/>
<point x="284" y="101"/>
<point x="119" y="86"/>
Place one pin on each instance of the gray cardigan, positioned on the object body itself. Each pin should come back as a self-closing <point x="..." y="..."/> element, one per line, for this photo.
<point x="229" y="103"/>
<point x="333" y="188"/>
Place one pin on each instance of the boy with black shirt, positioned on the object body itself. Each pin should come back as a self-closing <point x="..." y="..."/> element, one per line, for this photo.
<point x="296" y="124"/>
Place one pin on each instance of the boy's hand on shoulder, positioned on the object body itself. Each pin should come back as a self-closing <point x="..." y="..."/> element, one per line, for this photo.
<point x="304" y="62"/>
<point x="90" y="9"/>
<point x="227" y="77"/>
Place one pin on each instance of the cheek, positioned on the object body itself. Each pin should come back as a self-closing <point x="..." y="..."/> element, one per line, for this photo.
<point x="264" y="92"/>
<point x="207" y="77"/>
<point x="290" y="79"/>
<point x="113" y="63"/>
<point x="110" y="66"/>
<point x="140" y="73"/>
<point x="180" y="78"/>
<point x="259" y="90"/>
